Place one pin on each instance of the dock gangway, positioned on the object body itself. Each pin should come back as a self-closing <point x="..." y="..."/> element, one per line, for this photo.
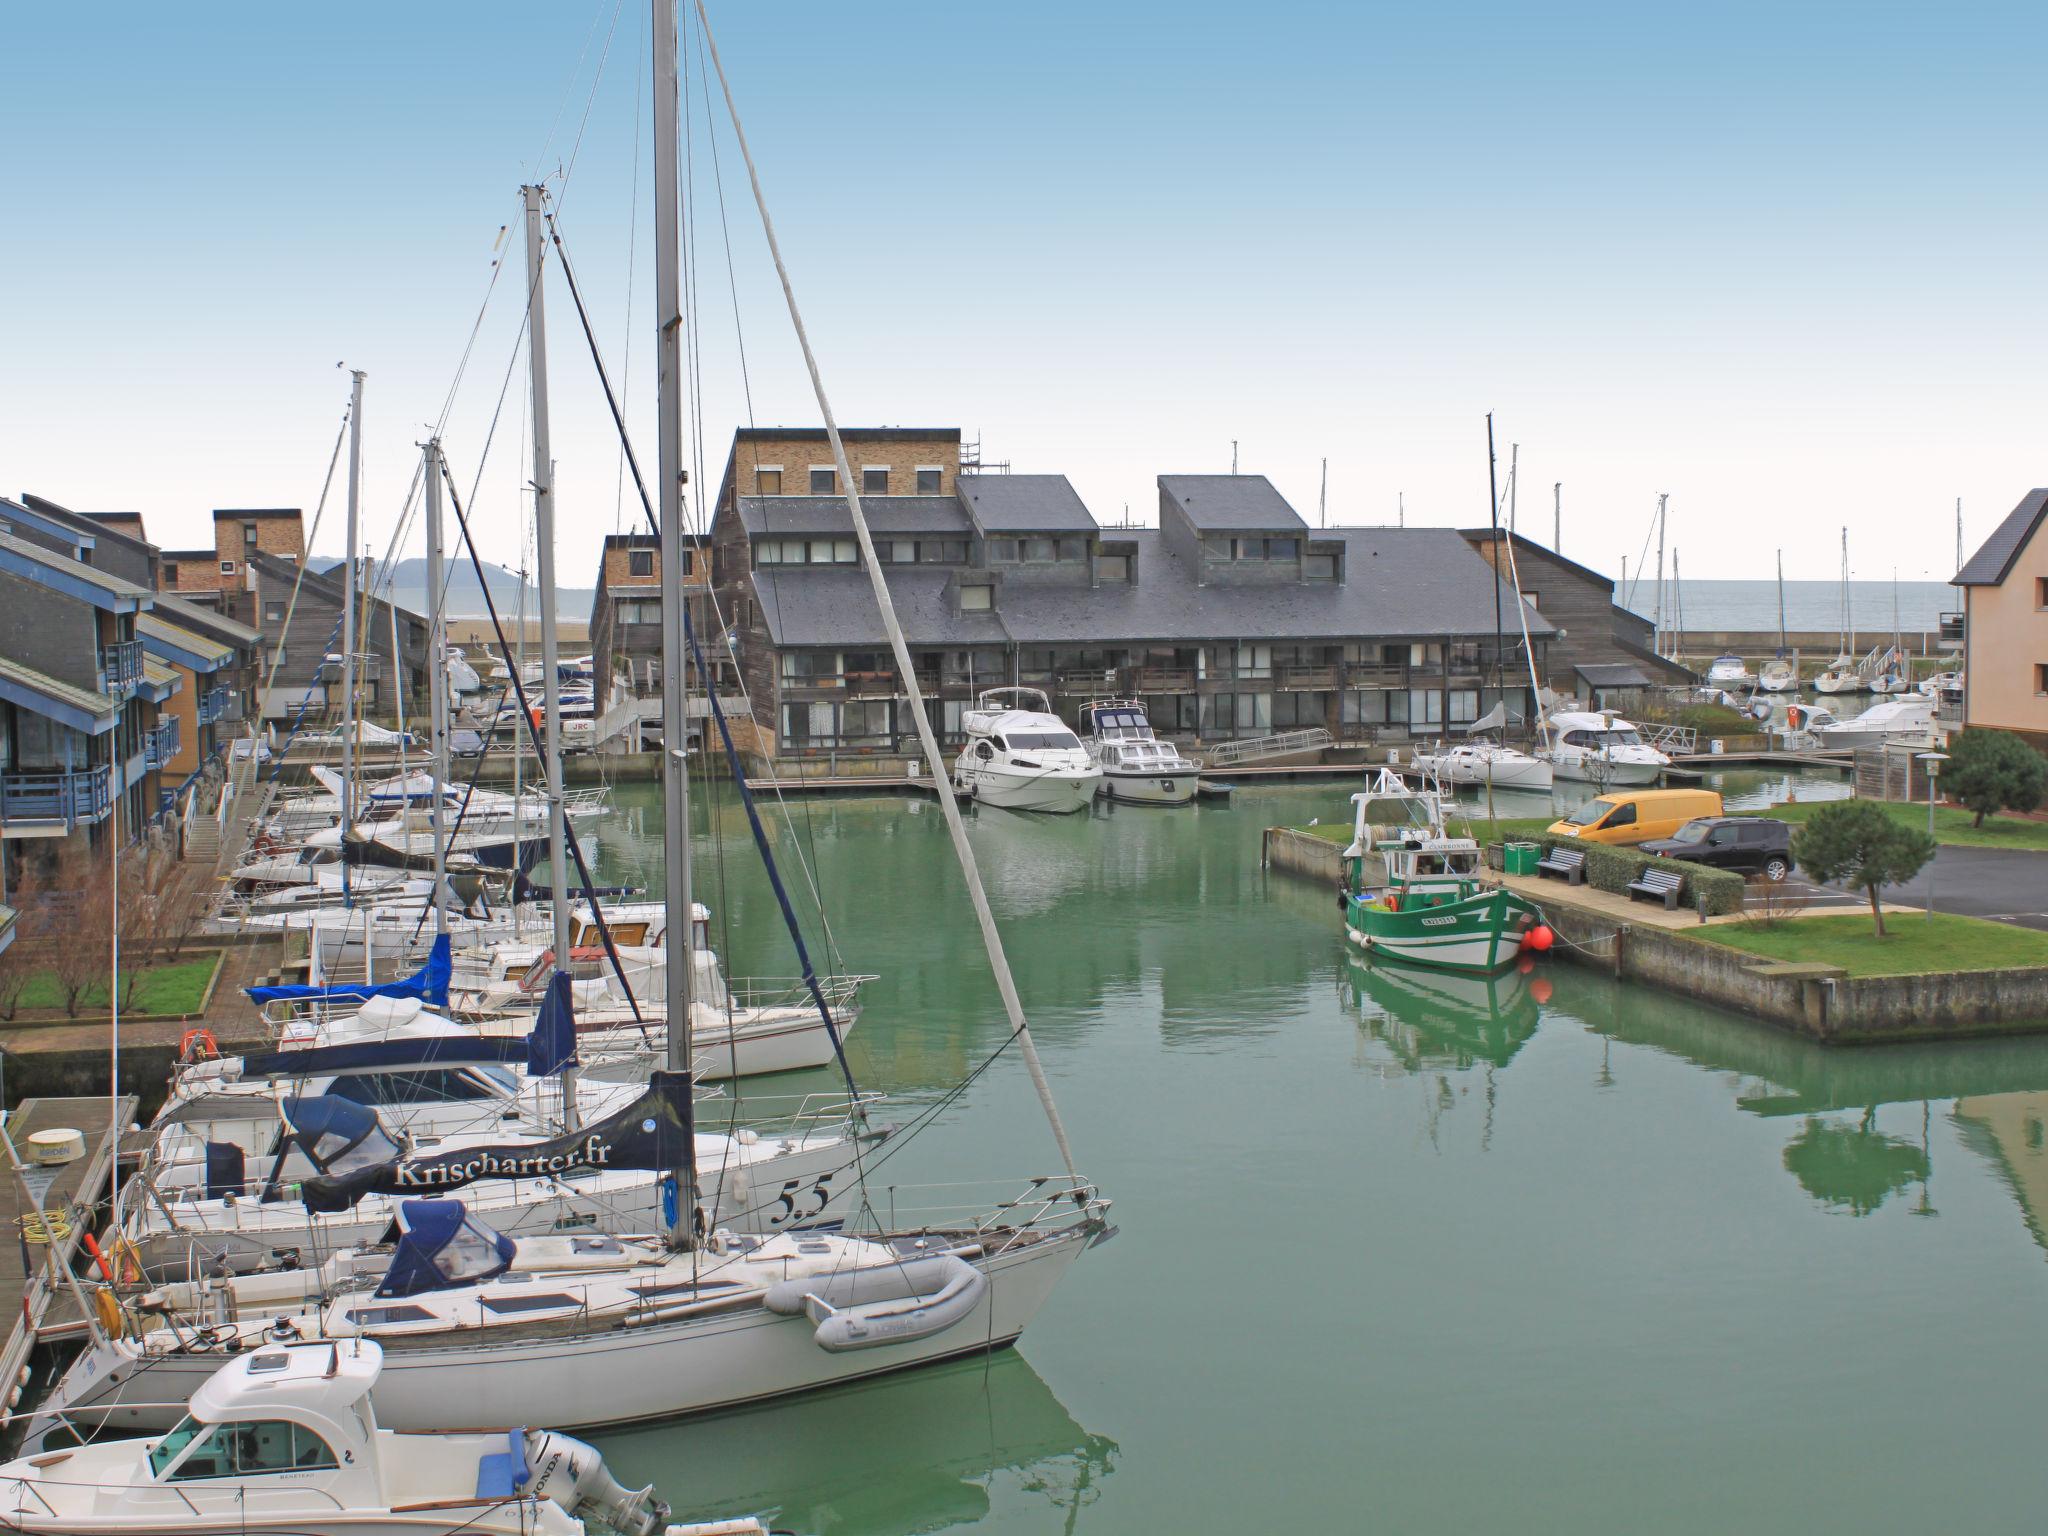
<point x="1235" y="754"/>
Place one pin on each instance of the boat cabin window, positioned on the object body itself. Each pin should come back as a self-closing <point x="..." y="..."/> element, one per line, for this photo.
<point x="373" y="1317"/>
<point x="984" y="751"/>
<point x="1051" y="741"/>
<point x="240" y="1450"/>
<point x="511" y="1305"/>
<point x="1624" y="736"/>
<point x="433" y="1086"/>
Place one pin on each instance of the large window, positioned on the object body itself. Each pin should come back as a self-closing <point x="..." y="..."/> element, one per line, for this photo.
<point x="806" y="552"/>
<point x="807" y="667"/>
<point x="1297" y="711"/>
<point x="929" y="477"/>
<point x="1425" y="707"/>
<point x="1236" y="714"/>
<point x="640" y="562"/>
<point x="1464" y="705"/>
<point x="824" y="480"/>
<point x="645" y="610"/>
<point x="874" y="480"/>
<point x="240" y="1450"/>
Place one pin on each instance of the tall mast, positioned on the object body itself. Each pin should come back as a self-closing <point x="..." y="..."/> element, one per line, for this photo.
<point x="675" y="724"/>
<point x="1557" y="517"/>
<point x="1781" y="602"/>
<point x="1659" y="620"/>
<point x="1323" y="498"/>
<point x="437" y="682"/>
<point x="1514" y="483"/>
<point x="348" y="625"/>
<point x="544" y="556"/>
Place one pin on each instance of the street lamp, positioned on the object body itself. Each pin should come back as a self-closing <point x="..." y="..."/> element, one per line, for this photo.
<point x="1931" y="764"/>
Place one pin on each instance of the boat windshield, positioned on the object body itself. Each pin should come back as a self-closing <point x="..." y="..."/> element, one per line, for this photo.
<point x="1624" y="736"/>
<point x="1024" y="741"/>
<point x="168" y="1449"/>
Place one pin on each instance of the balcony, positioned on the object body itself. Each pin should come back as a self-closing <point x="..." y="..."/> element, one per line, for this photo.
<point x="1367" y="674"/>
<point x="871" y="685"/>
<point x="121" y="666"/>
<point x="1163" y="680"/>
<point x="72" y="797"/>
<point x="1092" y="683"/>
<point x="1323" y="677"/>
<point x="160" y="744"/>
<point x="1951" y="631"/>
<point x="214" y="703"/>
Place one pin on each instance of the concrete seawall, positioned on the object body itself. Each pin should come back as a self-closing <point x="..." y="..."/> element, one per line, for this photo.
<point x="1820" y="1001"/>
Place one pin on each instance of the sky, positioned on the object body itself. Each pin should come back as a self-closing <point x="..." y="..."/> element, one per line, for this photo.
<point x="1779" y="262"/>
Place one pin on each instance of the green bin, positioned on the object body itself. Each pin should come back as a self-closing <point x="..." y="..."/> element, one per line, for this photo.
<point x="1520" y="858"/>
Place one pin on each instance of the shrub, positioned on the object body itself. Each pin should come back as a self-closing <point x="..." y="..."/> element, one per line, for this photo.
<point x="1612" y="869"/>
<point x="1856" y="843"/>
<point x="1991" y="771"/>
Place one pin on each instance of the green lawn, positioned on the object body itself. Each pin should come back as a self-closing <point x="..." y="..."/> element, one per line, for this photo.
<point x="1912" y="943"/>
<point x="176" y="988"/>
<point x="1501" y="830"/>
<point x="1952" y="824"/>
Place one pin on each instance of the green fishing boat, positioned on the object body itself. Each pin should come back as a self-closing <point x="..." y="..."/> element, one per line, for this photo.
<point x="1413" y="892"/>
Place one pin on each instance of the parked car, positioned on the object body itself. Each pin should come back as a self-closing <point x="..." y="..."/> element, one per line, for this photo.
<point x="466" y="743"/>
<point x="1750" y="845"/>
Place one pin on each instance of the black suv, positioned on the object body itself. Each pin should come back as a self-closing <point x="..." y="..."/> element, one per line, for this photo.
<point x="1752" y="845"/>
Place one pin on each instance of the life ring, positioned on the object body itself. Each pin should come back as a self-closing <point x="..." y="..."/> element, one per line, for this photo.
<point x="198" y="1045"/>
<point x="1393" y="902"/>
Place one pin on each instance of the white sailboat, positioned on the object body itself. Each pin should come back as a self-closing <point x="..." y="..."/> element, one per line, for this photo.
<point x="1841" y="675"/>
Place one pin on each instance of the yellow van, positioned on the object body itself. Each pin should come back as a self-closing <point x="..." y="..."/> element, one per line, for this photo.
<point x="1636" y="815"/>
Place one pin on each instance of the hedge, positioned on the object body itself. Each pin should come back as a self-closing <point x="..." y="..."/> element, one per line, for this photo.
<point x="1612" y="869"/>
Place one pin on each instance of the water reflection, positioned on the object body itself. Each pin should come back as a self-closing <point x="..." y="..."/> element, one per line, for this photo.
<point x="2011" y="1131"/>
<point x="902" y="1455"/>
<point x="1856" y="1167"/>
<point x="1439" y="1021"/>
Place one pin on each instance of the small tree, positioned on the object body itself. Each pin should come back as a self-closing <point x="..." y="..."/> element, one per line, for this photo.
<point x="1856" y="843"/>
<point x="1992" y="771"/>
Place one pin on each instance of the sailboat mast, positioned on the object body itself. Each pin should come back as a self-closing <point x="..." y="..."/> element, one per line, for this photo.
<point x="675" y="724"/>
<point x="1781" y="602"/>
<point x="348" y="623"/>
<point x="1557" y="517"/>
<point x="437" y="682"/>
<point x="1659" y="622"/>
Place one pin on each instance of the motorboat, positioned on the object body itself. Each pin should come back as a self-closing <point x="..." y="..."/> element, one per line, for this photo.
<point x="1777" y="676"/>
<point x="1600" y="747"/>
<point x="1729" y="670"/>
<point x="285" y="1440"/>
<point x="1414" y="892"/>
<point x="462" y="677"/>
<point x="1136" y="765"/>
<point x="1484" y="762"/>
<point x="1020" y="756"/>
<point x="1941" y="682"/>
<point x="1905" y="718"/>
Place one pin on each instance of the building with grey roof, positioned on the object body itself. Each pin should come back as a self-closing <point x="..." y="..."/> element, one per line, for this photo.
<point x="1232" y="618"/>
<point x="2005" y="627"/>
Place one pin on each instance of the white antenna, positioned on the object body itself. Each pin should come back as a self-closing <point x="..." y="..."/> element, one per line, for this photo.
<point x="1557" y="517"/>
<point x="1233" y="455"/>
<point x="1401" y="509"/>
<point x="1323" y="499"/>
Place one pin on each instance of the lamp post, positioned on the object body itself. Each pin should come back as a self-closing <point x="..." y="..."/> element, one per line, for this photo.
<point x="1931" y="763"/>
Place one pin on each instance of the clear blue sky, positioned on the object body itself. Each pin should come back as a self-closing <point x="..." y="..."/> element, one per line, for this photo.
<point x="1783" y="262"/>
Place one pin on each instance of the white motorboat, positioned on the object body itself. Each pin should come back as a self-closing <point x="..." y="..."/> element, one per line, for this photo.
<point x="1601" y="748"/>
<point x="1485" y="762"/>
<point x="649" y="1335"/>
<point x="462" y="677"/>
<point x="1906" y="718"/>
<point x="1777" y="676"/>
<point x="284" y="1440"/>
<point x="1136" y="765"/>
<point x="1941" y="682"/>
<point x="1023" y="758"/>
<point x="1729" y="670"/>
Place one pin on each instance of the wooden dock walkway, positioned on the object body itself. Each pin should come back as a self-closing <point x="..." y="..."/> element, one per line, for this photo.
<point x="34" y="1270"/>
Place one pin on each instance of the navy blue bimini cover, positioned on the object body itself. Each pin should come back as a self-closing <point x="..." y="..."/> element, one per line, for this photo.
<point x="429" y="984"/>
<point x="440" y="1245"/>
<point x="551" y="1046"/>
<point x="337" y="1135"/>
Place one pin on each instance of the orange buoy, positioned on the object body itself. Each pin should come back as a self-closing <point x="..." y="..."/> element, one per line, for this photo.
<point x="1540" y="989"/>
<point x="198" y="1045"/>
<point x="1541" y="937"/>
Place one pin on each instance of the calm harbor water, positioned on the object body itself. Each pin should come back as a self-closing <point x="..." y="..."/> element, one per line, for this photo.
<point x="1397" y="1252"/>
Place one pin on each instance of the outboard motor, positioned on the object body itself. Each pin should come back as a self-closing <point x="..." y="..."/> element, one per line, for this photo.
<point x="574" y="1476"/>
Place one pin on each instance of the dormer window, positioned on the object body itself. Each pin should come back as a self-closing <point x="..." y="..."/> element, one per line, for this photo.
<point x="979" y="597"/>
<point x="1223" y="547"/>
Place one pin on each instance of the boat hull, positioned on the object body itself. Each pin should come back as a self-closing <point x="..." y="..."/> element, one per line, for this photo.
<point x="1482" y="933"/>
<point x="1534" y="774"/>
<point x="576" y="1381"/>
<point x="1151" y="789"/>
<point x="1603" y="770"/>
<point x="1054" y="792"/>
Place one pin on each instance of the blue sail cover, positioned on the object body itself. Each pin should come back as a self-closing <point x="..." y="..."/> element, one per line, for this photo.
<point x="440" y="1245"/>
<point x="337" y="1135"/>
<point x="429" y="984"/>
<point x="551" y="1047"/>
<point x="385" y="1055"/>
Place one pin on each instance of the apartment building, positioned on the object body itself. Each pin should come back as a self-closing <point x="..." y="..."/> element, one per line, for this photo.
<point x="1231" y="618"/>
<point x="625" y="616"/>
<point x="2005" y="625"/>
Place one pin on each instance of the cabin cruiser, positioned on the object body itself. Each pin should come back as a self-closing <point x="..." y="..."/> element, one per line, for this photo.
<point x="1941" y="682"/>
<point x="462" y="677"/>
<point x="1777" y="676"/>
<point x="1729" y="670"/>
<point x="1601" y="748"/>
<point x="1484" y="762"/>
<point x="283" y="1440"/>
<point x="1020" y="756"/>
<point x="579" y="715"/>
<point x="1906" y="718"/>
<point x="1136" y="765"/>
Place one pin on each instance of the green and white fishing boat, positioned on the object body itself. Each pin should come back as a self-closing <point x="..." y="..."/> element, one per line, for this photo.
<point x="1413" y="892"/>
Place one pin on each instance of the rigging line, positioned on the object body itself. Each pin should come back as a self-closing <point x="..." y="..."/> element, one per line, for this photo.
<point x="626" y="356"/>
<point x="589" y="101"/>
<point x="647" y="506"/>
<point x="562" y="103"/>
<point x="725" y="233"/>
<point x="991" y="940"/>
<point x="299" y="577"/>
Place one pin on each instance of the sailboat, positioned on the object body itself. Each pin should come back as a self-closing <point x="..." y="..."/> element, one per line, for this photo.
<point x="1840" y="675"/>
<point x="696" y="1317"/>
<point x="1894" y="668"/>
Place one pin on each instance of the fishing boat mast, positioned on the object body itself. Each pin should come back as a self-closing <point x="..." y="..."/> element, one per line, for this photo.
<point x="675" y="763"/>
<point x="544" y="556"/>
<point x="1493" y="509"/>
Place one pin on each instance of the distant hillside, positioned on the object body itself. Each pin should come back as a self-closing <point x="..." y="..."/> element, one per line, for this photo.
<point x="408" y="587"/>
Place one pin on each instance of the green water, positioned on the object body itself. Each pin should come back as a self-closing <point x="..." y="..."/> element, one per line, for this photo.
<point x="1396" y="1253"/>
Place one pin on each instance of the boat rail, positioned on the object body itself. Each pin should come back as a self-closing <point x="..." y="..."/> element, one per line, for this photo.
<point x="981" y="1205"/>
<point x="1675" y="739"/>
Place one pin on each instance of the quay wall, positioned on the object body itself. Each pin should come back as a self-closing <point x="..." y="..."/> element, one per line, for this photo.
<point x="1819" y="1001"/>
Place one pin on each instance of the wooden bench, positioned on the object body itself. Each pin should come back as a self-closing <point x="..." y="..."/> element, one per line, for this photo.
<point x="1655" y="884"/>
<point x="1568" y="864"/>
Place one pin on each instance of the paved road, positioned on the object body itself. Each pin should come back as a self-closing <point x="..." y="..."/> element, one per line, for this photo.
<point x="2009" y="885"/>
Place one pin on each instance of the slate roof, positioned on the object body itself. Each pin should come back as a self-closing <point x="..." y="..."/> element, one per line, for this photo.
<point x="1615" y="674"/>
<point x="1001" y="504"/>
<point x="205" y="620"/>
<point x="942" y="516"/>
<point x="1402" y="582"/>
<point x="149" y="627"/>
<point x="835" y="606"/>
<point x="1993" y="561"/>
<point x="1233" y="504"/>
<point x="71" y="571"/>
<point x="17" y="679"/>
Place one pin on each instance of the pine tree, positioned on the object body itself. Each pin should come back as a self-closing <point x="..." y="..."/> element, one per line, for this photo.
<point x="1992" y="771"/>
<point x="1856" y="843"/>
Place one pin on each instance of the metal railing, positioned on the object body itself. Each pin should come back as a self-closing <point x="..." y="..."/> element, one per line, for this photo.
<point x="1163" y="680"/>
<point x="160" y="743"/>
<point x="1230" y="753"/>
<point x="1292" y="676"/>
<point x="1374" y="675"/>
<point x="214" y="703"/>
<point x="70" y="796"/>
<point x="1675" y="740"/>
<point x="1093" y="682"/>
<point x="121" y="666"/>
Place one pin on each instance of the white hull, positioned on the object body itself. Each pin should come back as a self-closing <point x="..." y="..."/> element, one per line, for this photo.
<point x="1849" y="739"/>
<point x="1151" y="788"/>
<point x="581" y="1381"/>
<point x="1467" y="952"/>
<point x="1592" y="769"/>
<point x="1533" y="774"/>
<point x="773" y="1040"/>
<point x="1057" y="791"/>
